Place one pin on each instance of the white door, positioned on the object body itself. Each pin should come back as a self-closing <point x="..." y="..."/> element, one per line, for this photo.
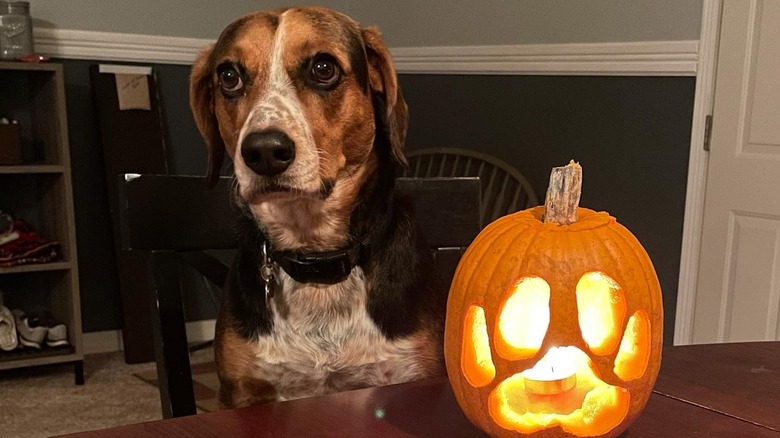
<point x="738" y="287"/>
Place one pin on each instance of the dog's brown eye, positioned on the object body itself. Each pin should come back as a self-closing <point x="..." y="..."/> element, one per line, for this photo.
<point x="230" y="80"/>
<point x="325" y="71"/>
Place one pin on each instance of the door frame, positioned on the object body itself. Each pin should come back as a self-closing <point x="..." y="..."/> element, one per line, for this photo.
<point x="707" y="55"/>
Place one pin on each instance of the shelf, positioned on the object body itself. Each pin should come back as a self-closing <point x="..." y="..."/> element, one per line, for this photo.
<point x="39" y="191"/>
<point x="23" y="357"/>
<point x="37" y="267"/>
<point x="32" y="168"/>
<point x="29" y="66"/>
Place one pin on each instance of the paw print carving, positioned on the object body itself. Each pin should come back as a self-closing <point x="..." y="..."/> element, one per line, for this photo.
<point x="593" y="333"/>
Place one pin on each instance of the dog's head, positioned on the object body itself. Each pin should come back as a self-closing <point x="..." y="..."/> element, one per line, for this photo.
<point x="293" y="96"/>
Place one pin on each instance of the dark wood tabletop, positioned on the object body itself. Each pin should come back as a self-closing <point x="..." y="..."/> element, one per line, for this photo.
<point x="723" y="390"/>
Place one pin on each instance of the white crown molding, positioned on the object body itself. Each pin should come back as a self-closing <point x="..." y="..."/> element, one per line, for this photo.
<point x="652" y="58"/>
<point x="112" y="46"/>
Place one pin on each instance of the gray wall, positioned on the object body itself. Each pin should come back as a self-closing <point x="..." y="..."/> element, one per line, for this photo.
<point x="403" y="22"/>
<point x="631" y="134"/>
<point x="100" y="294"/>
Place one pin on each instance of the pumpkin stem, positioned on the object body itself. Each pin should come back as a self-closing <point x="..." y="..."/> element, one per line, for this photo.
<point x="563" y="194"/>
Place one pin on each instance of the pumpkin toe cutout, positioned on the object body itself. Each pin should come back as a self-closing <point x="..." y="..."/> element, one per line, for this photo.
<point x="591" y="408"/>
<point x="634" y="354"/>
<point x="601" y="305"/>
<point x="477" y="361"/>
<point x="523" y="319"/>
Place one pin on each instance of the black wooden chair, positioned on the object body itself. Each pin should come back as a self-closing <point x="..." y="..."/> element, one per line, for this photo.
<point x="178" y="220"/>
<point x="504" y="189"/>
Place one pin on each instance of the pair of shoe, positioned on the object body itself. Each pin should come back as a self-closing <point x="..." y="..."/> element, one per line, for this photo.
<point x="8" y="339"/>
<point x="35" y="329"/>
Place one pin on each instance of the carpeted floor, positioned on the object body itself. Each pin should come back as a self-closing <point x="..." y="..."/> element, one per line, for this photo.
<point x="43" y="402"/>
<point x="204" y="381"/>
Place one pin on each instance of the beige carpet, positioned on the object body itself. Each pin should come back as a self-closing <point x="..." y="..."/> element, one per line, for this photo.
<point x="204" y="381"/>
<point x="43" y="402"/>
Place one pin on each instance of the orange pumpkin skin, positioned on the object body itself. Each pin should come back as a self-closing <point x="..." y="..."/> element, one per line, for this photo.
<point x="520" y="245"/>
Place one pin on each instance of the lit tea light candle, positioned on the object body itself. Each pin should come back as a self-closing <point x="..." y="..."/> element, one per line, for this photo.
<point x="548" y="379"/>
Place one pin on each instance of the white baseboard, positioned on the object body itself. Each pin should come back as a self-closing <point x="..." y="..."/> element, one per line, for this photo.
<point x="646" y="58"/>
<point x="102" y="342"/>
<point x="200" y="331"/>
<point x="111" y="340"/>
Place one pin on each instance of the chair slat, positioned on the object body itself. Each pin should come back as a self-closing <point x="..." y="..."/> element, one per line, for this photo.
<point x="467" y="170"/>
<point x="514" y="204"/>
<point x="455" y="163"/>
<point x="499" y="206"/>
<point x="417" y="168"/>
<point x="442" y="164"/>
<point x="488" y="189"/>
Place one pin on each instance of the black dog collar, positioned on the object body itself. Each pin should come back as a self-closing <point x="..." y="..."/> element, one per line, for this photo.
<point x="318" y="267"/>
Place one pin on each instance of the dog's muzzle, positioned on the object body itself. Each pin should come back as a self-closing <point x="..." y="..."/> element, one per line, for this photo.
<point x="268" y="152"/>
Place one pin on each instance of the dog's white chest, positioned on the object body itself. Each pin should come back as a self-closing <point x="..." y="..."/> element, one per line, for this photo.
<point x="323" y="341"/>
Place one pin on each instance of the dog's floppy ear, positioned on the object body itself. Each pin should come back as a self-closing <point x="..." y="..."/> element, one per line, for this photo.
<point x="383" y="80"/>
<point x="202" y="106"/>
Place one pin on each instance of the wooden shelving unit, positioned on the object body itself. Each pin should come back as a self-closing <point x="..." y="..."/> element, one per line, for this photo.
<point x="30" y="169"/>
<point x="39" y="191"/>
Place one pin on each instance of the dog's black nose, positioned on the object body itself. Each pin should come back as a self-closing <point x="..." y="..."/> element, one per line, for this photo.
<point x="268" y="153"/>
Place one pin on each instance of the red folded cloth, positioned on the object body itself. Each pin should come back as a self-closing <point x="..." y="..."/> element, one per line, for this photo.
<point x="28" y="248"/>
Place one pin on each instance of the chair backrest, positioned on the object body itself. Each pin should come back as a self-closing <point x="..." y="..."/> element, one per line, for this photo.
<point x="504" y="189"/>
<point x="177" y="219"/>
<point x="176" y="213"/>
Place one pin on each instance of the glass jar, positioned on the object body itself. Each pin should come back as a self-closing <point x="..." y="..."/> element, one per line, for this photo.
<point x="16" y="38"/>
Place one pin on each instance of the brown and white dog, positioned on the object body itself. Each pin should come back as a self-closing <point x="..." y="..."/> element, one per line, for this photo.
<point x="332" y="288"/>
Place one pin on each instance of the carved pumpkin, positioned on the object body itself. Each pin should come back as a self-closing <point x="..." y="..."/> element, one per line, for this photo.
<point x="554" y="330"/>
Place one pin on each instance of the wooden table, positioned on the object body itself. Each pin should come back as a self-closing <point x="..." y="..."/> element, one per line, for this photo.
<point x="723" y="390"/>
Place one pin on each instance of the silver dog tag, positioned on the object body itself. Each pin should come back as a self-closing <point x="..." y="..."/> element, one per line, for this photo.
<point x="268" y="274"/>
